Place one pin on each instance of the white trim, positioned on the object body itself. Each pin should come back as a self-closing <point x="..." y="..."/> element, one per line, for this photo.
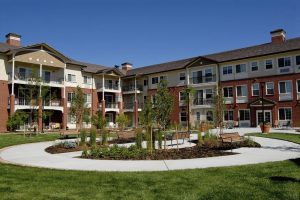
<point x="265" y="63"/>
<point x="266" y="89"/>
<point x="277" y="58"/>
<point x="265" y="111"/>
<point x="257" y="65"/>
<point x="241" y="64"/>
<point x="285" y="114"/>
<point x="237" y="90"/>
<point x="258" y="89"/>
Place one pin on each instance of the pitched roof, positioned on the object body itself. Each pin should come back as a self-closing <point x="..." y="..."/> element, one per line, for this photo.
<point x="173" y="65"/>
<point x="248" y="52"/>
<point x="4" y="47"/>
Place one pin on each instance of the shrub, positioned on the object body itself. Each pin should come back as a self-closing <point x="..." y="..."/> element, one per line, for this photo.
<point x="93" y="135"/>
<point x="83" y="136"/>
<point x="139" y="137"/>
<point x="104" y="137"/>
<point x="69" y="144"/>
<point x="159" y="138"/>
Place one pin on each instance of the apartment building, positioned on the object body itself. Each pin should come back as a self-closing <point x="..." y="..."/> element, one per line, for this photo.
<point x="270" y="69"/>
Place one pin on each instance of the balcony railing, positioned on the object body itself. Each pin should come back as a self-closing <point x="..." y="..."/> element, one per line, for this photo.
<point x="129" y="88"/>
<point x="111" y="105"/>
<point x="201" y="101"/>
<point x="28" y="77"/>
<point x="108" y="86"/>
<point x="33" y="102"/>
<point x="130" y="105"/>
<point x="203" y="79"/>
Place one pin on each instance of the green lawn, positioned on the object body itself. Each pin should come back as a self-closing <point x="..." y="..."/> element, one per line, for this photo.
<point x="278" y="180"/>
<point x="282" y="136"/>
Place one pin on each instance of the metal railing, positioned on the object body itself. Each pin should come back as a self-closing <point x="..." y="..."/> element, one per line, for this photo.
<point x="129" y="88"/>
<point x="203" y="79"/>
<point x="130" y="105"/>
<point x="109" y="86"/>
<point x="201" y="101"/>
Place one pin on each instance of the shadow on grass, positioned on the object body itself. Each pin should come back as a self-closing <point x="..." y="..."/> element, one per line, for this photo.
<point x="284" y="179"/>
<point x="296" y="161"/>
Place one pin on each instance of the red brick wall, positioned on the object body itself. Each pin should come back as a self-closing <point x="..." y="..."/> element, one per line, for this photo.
<point x="279" y="104"/>
<point x="3" y="105"/>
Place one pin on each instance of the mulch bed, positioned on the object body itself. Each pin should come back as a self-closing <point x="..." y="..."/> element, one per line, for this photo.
<point x="60" y="149"/>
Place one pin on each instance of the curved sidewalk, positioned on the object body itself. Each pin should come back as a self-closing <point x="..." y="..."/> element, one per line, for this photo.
<point x="35" y="156"/>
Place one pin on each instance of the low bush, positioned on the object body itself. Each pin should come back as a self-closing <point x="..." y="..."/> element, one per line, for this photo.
<point x="115" y="152"/>
<point x="139" y="137"/>
<point x="93" y="135"/>
<point x="68" y="144"/>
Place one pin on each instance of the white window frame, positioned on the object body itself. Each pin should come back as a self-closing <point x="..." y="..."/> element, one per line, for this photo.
<point x="153" y="78"/>
<point x="180" y="76"/>
<point x="242" y="92"/>
<point x="87" y="98"/>
<point x="285" y="81"/>
<point x="185" y="116"/>
<point x="228" y="115"/>
<point x="267" y="88"/>
<point x="266" y="64"/>
<point x="257" y="65"/>
<point x="284" y="62"/>
<point x="227" y="68"/>
<point x="241" y="68"/>
<point x="180" y="96"/>
<point x="72" y="96"/>
<point x="228" y="93"/>
<point x="88" y="80"/>
<point x="73" y="78"/>
<point x="285" y="114"/>
<point x="249" y="115"/>
<point x="252" y="89"/>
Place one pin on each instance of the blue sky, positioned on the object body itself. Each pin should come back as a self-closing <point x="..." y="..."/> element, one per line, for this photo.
<point x="146" y="32"/>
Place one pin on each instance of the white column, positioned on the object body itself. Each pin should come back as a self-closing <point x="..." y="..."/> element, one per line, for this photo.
<point x="119" y="83"/>
<point x="41" y="78"/>
<point x="187" y="76"/>
<point x="13" y="76"/>
<point x="64" y="88"/>
<point x="103" y="86"/>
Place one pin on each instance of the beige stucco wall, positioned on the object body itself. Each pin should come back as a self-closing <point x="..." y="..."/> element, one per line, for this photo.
<point x="5" y="68"/>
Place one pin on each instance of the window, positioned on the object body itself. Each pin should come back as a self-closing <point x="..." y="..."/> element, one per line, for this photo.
<point x="227" y="91"/>
<point x="46" y="76"/>
<point x="255" y="89"/>
<point x="71" y="119"/>
<point x="240" y="68"/>
<point x="145" y="82"/>
<point x="154" y="80"/>
<point x="209" y="115"/>
<point x="298" y="86"/>
<point x="244" y="115"/>
<point x="71" y="96"/>
<point x="209" y="93"/>
<point x="254" y="66"/>
<point x="241" y="91"/>
<point x="145" y="99"/>
<point x="183" y="117"/>
<point x="285" y="87"/>
<point x="208" y="72"/>
<point x="87" y="80"/>
<point x="153" y="99"/>
<point x="182" y="76"/>
<point x="228" y="115"/>
<point x="181" y="96"/>
<point x="198" y="116"/>
<point x="298" y="60"/>
<point x="285" y="113"/>
<point x="270" y="88"/>
<point x="197" y="77"/>
<point x="227" y="70"/>
<point x="284" y="62"/>
<point x="163" y="78"/>
<point x="87" y="98"/>
<point x="269" y="64"/>
<point x="72" y="78"/>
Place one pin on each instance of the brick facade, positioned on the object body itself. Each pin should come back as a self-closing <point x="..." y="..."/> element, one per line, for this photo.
<point x="3" y="105"/>
<point x="294" y="103"/>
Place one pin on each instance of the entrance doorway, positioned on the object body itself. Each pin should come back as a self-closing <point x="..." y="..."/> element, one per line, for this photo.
<point x="267" y="117"/>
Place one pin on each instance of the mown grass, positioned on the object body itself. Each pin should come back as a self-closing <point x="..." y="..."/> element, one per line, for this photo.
<point x="278" y="180"/>
<point x="282" y="136"/>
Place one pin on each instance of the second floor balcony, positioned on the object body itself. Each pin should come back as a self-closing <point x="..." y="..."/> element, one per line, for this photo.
<point x="203" y="79"/>
<point x="203" y="102"/>
<point x="108" y="86"/>
<point x="24" y="103"/>
<point x="128" y="89"/>
<point x="129" y="106"/>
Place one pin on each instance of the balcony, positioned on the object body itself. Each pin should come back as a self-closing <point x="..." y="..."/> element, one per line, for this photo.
<point x="130" y="89"/>
<point x="23" y="103"/>
<point x="201" y="102"/>
<point x="108" y="87"/>
<point x="110" y="106"/>
<point x="26" y="78"/>
<point x="203" y="79"/>
<point x="129" y="106"/>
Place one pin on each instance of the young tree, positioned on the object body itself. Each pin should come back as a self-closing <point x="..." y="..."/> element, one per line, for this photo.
<point x="17" y="119"/>
<point x="163" y="105"/>
<point x="78" y="108"/>
<point x="188" y="94"/>
<point x="219" y="109"/>
<point x="147" y="120"/>
<point x="122" y="121"/>
<point x="99" y="121"/>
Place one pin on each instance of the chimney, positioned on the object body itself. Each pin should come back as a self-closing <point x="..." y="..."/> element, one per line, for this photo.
<point x="126" y="66"/>
<point x="278" y="36"/>
<point x="13" y="39"/>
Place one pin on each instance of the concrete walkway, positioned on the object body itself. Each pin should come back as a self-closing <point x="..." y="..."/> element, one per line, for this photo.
<point x="34" y="155"/>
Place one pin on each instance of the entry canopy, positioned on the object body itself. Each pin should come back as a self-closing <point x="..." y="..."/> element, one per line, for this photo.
<point x="262" y="101"/>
